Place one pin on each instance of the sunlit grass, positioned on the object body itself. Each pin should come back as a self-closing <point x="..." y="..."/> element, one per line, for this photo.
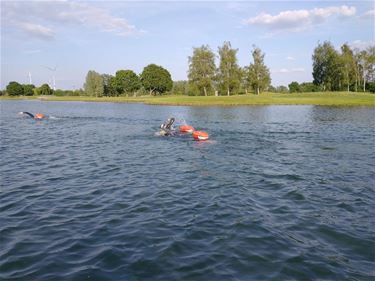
<point x="271" y="98"/>
<point x="326" y="98"/>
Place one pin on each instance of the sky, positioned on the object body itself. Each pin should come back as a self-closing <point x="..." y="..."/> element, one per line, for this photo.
<point x="65" y="39"/>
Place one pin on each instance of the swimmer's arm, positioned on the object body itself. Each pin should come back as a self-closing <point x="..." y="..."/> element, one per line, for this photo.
<point x="27" y="113"/>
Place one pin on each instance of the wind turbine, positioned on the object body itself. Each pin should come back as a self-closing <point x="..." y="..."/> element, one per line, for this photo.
<point x="30" y="81"/>
<point x="53" y="69"/>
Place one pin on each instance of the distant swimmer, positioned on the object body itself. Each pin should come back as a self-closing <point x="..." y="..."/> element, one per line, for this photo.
<point x="166" y="129"/>
<point x="37" y="116"/>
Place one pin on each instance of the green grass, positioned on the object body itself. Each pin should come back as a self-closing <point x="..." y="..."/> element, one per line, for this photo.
<point x="336" y="99"/>
<point x="327" y="98"/>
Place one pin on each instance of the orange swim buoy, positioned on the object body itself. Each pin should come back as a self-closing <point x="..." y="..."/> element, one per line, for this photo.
<point x="200" y="135"/>
<point x="39" y="116"/>
<point x="186" y="129"/>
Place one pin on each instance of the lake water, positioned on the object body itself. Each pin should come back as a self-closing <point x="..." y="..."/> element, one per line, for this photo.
<point x="278" y="193"/>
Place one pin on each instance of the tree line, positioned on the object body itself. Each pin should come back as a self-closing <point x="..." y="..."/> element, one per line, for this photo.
<point x="346" y="69"/>
<point x="16" y="89"/>
<point x="153" y="80"/>
<point x="204" y="78"/>
<point x="228" y="78"/>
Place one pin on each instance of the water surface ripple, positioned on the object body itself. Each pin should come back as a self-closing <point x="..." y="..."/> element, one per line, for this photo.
<point x="279" y="193"/>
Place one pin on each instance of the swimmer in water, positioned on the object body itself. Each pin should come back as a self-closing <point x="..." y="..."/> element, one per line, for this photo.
<point x="37" y="116"/>
<point x="166" y="129"/>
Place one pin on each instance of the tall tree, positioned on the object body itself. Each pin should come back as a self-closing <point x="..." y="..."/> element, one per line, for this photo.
<point x="258" y="73"/>
<point x="202" y="68"/>
<point x="109" y="85"/>
<point x="348" y="65"/>
<point x="326" y="71"/>
<point x="365" y="63"/>
<point x="127" y="81"/>
<point x="156" y="79"/>
<point x="14" y="89"/>
<point x="228" y="74"/>
<point x="94" y="85"/>
<point x="371" y="62"/>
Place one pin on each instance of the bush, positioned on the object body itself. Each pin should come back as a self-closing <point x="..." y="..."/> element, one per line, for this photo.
<point x="272" y="89"/>
<point x="44" y="90"/>
<point x="309" y="87"/>
<point x="281" y="89"/>
<point x="371" y="87"/>
<point x="294" y="87"/>
<point x="180" y="87"/>
<point x="28" y="89"/>
<point x="14" y="89"/>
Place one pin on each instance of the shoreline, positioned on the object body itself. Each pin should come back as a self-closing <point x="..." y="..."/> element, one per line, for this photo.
<point x="321" y="99"/>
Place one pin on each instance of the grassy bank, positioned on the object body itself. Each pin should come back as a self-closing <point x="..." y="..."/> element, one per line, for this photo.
<point x="328" y="99"/>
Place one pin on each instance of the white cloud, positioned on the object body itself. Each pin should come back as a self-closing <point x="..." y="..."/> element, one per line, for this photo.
<point x="369" y="14"/>
<point x="361" y="45"/>
<point x="42" y="19"/>
<point x="31" y="52"/>
<point x="298" y="20"/>
<point x="290" y="58"/>
<point x="79" y="13"/>
<point x="292" y="70"/>
<point x="37" y="30"/>
<point x="298" y="69"/>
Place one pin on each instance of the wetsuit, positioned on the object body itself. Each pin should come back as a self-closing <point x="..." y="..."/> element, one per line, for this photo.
<point x="166" y="128"/>
<point x="27" y="113"/>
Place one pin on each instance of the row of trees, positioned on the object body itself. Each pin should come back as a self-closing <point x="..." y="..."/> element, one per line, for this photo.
<point x="154" y="79"/>
<point x="17" y="89"/>
<point x="305" y="87"/>
<point x="346" y="69"/>
<point x="228" y="78"/>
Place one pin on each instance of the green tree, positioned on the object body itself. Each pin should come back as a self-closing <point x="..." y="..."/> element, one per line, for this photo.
<point x="348" y="66"/>
<point x="365" y="64"/>
<point x="127" y="81"/>
<point x="281" y="89"/>
<point x="109" y="85"/>
<point x="272" y="89"/>
<point x="326" y="67"/>
<point x="228" y="73"/>
<point x="44" y="90"/>
<point x="371" y="64"/>
<point x="156" y="79"/>
<point x="371" y="87"/>
<point x="94" y="85"/>
<point x="78" y="93"/>
<point x="180" y="87"/>
<point x="258" y="73"/>
<point x="14" y="89"/>
<point x="28" y="89"/>
<point x="294" y="87"/>
<point x="245" y="85"/>
<point x="307" y="87"/>
<point x="202" y="68"/>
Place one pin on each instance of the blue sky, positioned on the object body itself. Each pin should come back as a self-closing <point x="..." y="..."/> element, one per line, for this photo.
<point x="73" y="37"/>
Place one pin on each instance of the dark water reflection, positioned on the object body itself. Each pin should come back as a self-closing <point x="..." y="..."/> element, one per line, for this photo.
<point x="279" y="193"/>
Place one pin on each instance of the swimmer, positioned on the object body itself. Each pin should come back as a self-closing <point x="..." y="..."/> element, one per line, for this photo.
<point x="37" y="116"/>
<point x="167" y="128"/>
